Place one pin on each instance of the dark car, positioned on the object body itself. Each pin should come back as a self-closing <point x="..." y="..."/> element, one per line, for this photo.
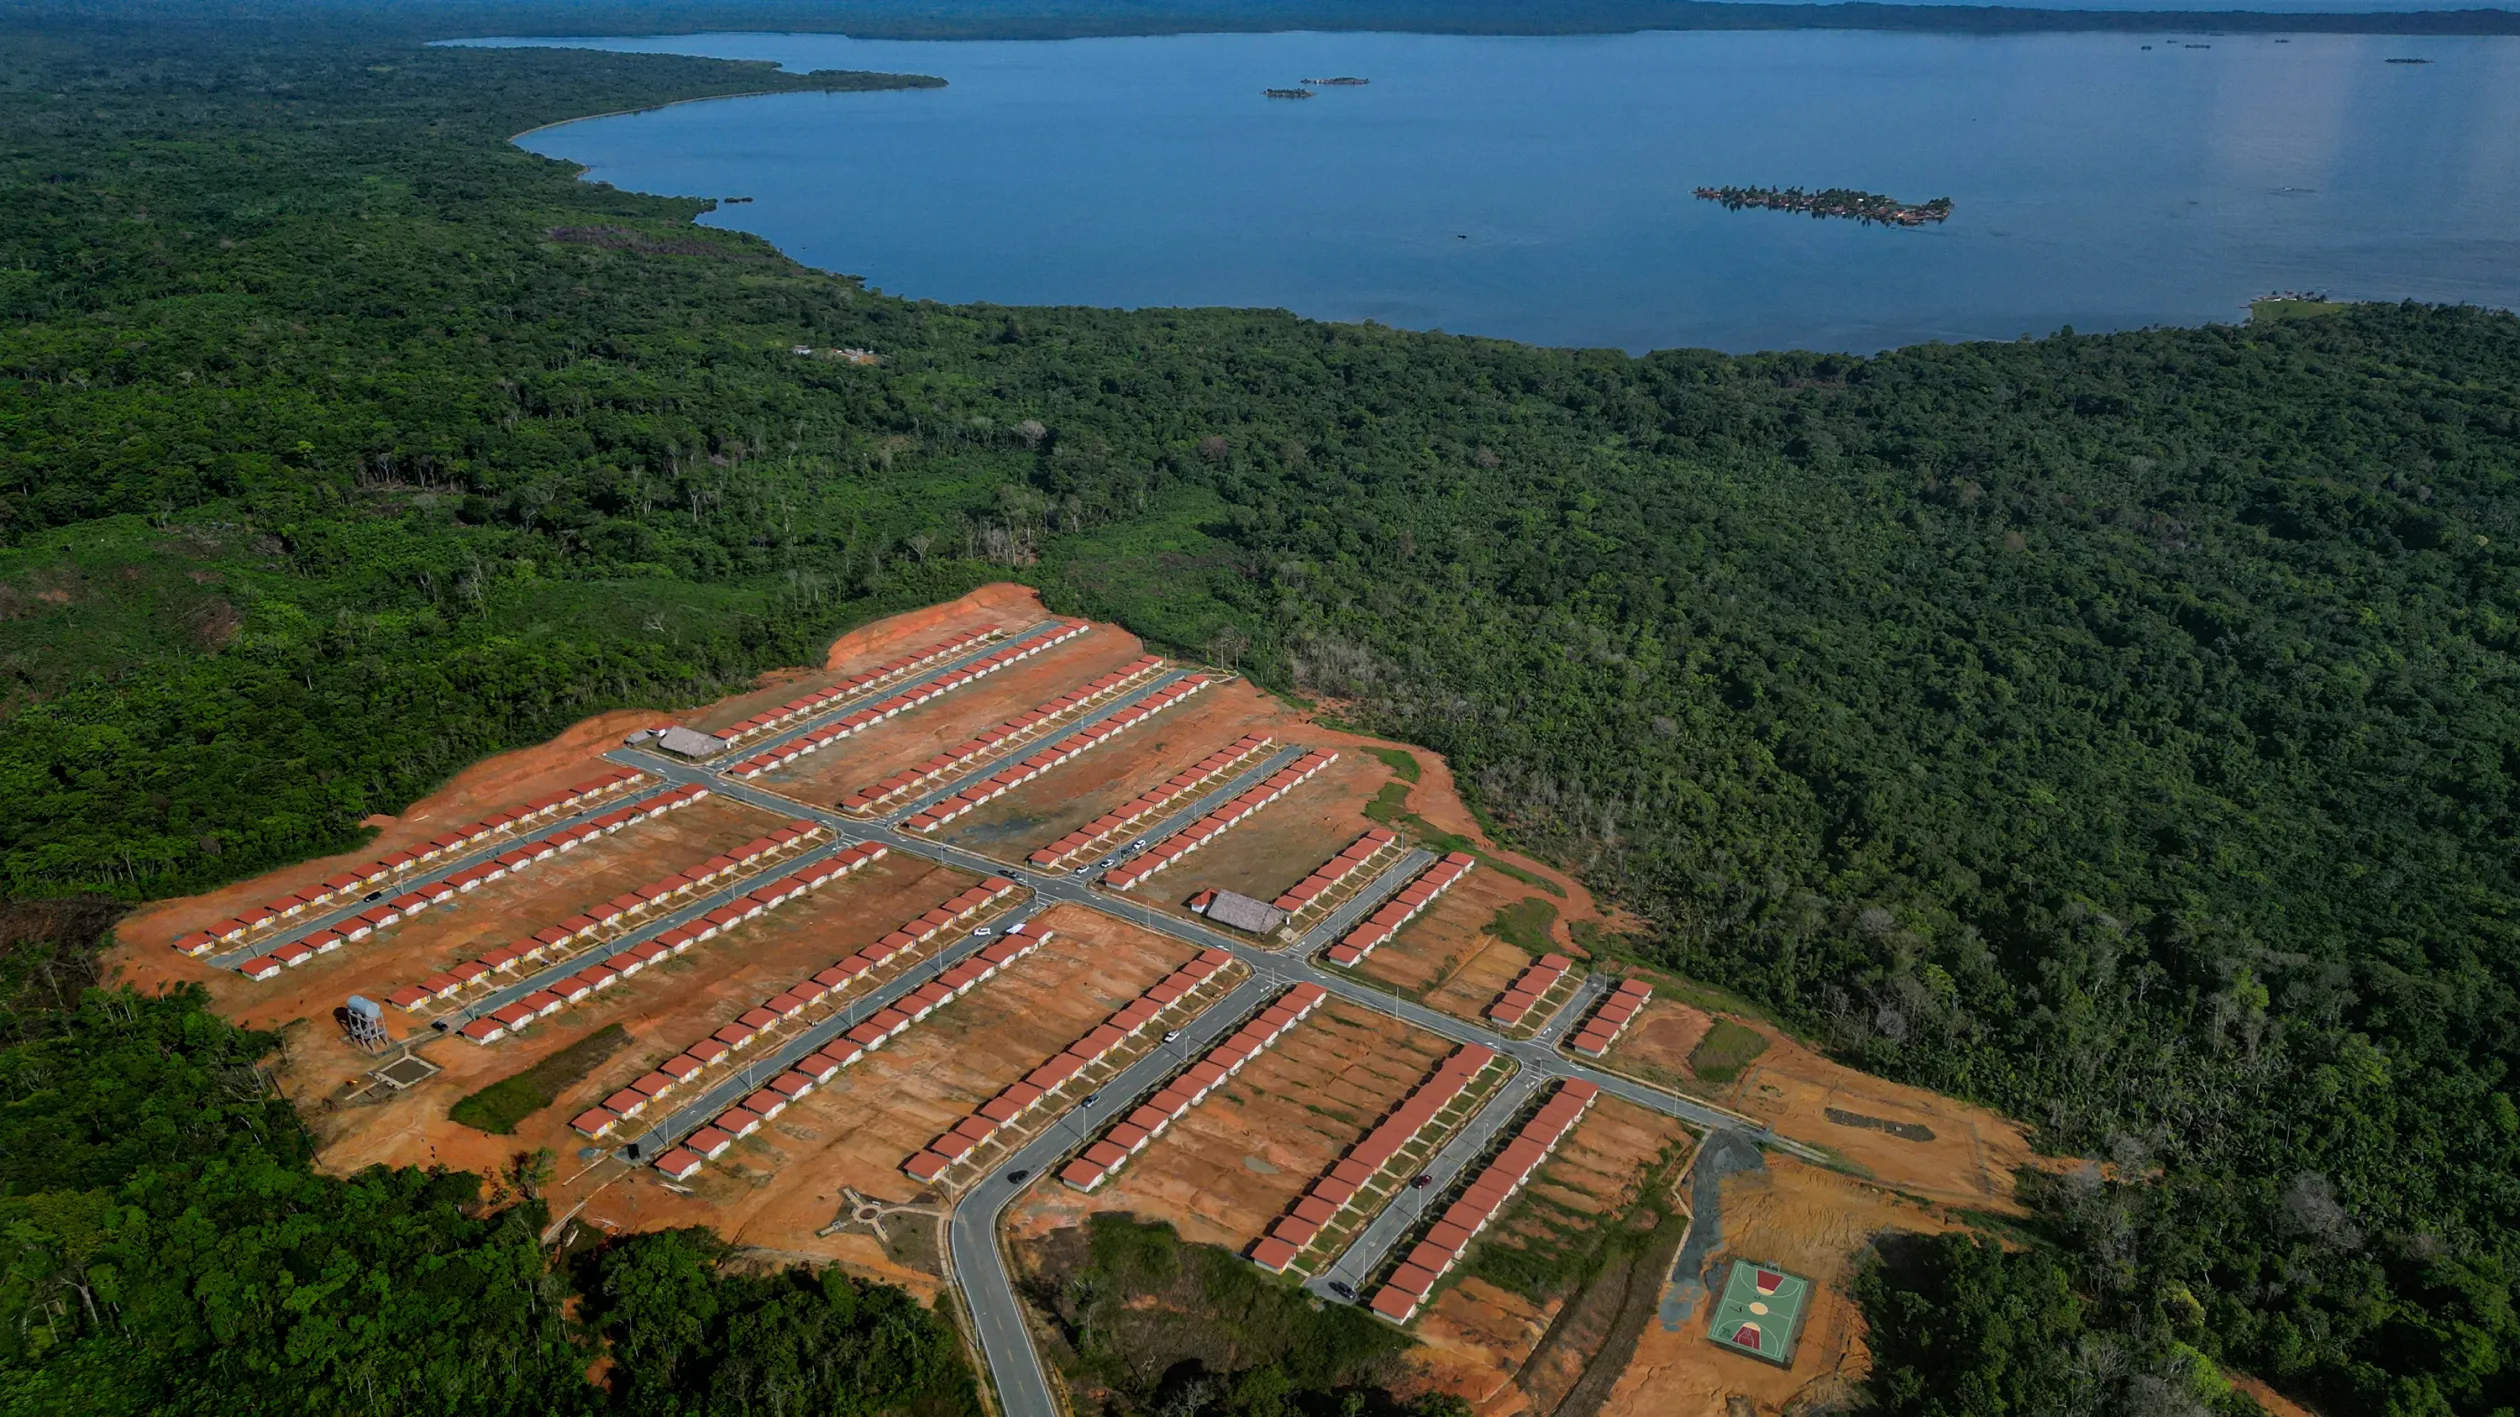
<point x="1423" y="1181"/>
<point x="1018" y="1176"/>
<point x="1340" y="1288"/>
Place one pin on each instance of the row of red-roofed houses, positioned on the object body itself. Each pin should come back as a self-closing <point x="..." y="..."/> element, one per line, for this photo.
<point x="292" y="953"/>
<point x="1335" y="1192"/>
<point x="1058" y="632"/>
<point x="1482" y="1201"/>
<point x="858" y="683"/>
<point x="558" y="941"/>
<point x="763" y="1022"/>
<point x="1612" y="1018"/>
<point x="1180" y="787"/>
<point x="1531" y="986"/>
<point x="1190" y="1087"/>
<point x="359" y="879"/>
<point x="1106" y="1038"/>
<point x="622" y="963"/>
<point x="819" y="1067"/>
<point x="1407" y="905"/>
<point x="1339" y="870"/>
<point x="1011" y="734"/>
<point x="1084" y="740"/>
<point x="1215" y="824"/>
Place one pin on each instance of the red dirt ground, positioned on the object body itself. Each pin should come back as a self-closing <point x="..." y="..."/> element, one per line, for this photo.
<point x="1485" y="1344"/>
<point x="1970" y="1161"/>
<point x="665" y="1009"/>
<point x="1049" y="807"/>
<point x="1446" y="959"/>
<point x="1813" y="1222"/>
<point x="888" y="747"/>
<point x="1222" y="1175"/>
<point x="1230" y="1167"/>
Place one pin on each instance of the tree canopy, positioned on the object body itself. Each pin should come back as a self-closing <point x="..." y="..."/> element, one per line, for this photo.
<point x="2117" y="729"/>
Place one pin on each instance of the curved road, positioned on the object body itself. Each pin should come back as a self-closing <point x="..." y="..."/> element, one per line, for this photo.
<point x="978" y="1264"/>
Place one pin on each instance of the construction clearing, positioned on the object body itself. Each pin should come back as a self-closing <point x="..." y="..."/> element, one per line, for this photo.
<point x="999" y="919"/>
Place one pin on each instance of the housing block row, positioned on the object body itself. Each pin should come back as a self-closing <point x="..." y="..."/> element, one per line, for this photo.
<point x="1338" y="871"/>
<point x="755" y="1024"/>
<point x="1402" y="908"/>
<point x="1215" y="824"/>
<point x="1334" y="1192"/>
<point x="560" y="940"/>
<point x="292" y="953"/>
<point x="454" y="840"/>
<point x="819" y="1067"/>
<point x="1178" y="788"/>
<point x="1528" y="989"/>
<point x="1054" y="633"/>
<point x="856" y="684"/>
<point x="1005" y="736"/>
<point x="1006" y="780"/>
<point x="1482" y="1201"/>
<point x="559" y="994"/>
<point x="1190" y="1087"/>
<point x="1104" y="1039"/>
<point x="1612" y="1018"/>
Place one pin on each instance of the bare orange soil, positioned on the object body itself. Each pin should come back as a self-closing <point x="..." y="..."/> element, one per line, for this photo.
<point x="486" y="786"/>
<point x="1051" y="806"/>
<point x="1810" y="1221"/>
<point x="1221" y="1175"/>
<point x="496" y="914"/>
<point x="1235" y="1162"/>
<point x="1010" y="607"/>
<point x="1281" y="843"/>
<point x="886" y="748"/>
<point x="665" y="1009"/>
<point x="775" y="1189"/>
<point x="1506" y="1352"/>
<point x="1446" y="958"/>
<point x="1969" y="1160"/>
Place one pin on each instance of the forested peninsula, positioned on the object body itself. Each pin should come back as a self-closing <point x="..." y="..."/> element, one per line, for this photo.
<point x="2115" y="729"/>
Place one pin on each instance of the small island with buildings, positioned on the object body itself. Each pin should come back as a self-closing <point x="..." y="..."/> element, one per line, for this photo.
<point x="1831" y="202"/>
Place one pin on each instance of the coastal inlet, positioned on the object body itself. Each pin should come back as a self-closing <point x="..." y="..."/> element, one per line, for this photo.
<point x="1831" y="202"/>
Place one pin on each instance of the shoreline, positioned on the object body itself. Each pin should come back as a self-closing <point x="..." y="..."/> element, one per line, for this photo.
<point x="519" y="137"/>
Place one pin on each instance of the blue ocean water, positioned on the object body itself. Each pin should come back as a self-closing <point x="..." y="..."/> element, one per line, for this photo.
<point x="1540" y="188"/>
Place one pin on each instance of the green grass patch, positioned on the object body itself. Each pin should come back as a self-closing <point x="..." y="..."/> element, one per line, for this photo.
<point x="1391" y="808"/>
<point x="2273" y="312"/>
<point x="1726" y="1049"/>
<point x="1543" y="1249"/>
<point x="497" y="1109"/>
<point x="1400" y="761"/>
<point x="1525" y="924"/>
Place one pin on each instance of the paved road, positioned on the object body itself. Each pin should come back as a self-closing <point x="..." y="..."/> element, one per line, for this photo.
<point x="1364" y="1256"/>
<point x="979" y="1268"/>
<point x="305" y="925"/>
<point x="842" y="708"/>
<point x="998" y="755"/>
<point x="972" y="1232"/>
<point x="767" y="1063"/>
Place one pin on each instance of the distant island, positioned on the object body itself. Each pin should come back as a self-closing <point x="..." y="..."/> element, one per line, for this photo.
<point x="1342" y="82"/>
<point x="1831" y="202"/>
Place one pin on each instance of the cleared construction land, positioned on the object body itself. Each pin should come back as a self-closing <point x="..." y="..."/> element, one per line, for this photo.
<point x="1453" y="958"/>
<point x="1235" y="1163"/>
<point x="857" y="1164"/>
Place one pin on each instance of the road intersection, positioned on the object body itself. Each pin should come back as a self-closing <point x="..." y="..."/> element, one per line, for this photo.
<point x="977" y="1260"/>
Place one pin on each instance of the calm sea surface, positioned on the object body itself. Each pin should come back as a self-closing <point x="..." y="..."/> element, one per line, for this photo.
<point x="1539" y="189"/>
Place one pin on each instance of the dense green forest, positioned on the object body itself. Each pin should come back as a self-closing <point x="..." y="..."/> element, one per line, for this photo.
<point x="2121" y="730"/>
<point x="170" y="1250"/>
